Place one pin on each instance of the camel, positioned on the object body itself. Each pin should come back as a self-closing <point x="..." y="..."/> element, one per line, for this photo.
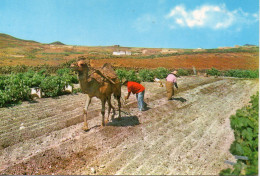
<point x="100" y="83"/>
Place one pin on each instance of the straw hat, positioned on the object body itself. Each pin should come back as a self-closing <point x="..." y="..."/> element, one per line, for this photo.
<point x="175" y="72"/>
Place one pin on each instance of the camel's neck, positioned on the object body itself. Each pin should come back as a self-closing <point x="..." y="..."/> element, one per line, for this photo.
<point x="86" y="82"/>
<point x="84" y="77"/>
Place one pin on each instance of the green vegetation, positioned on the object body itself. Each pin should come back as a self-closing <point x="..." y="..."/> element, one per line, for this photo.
<point x="161" y="72"/>
<point x="24" y="68"/>
<point x="183" y="72"/>
<point x="146" y="75"/>
<point x="245" y="126"/>
<point x="234" y="50"/>
<point x="242" y="73"/>
<point x="63" y="53"/>
<point x="234" y="73"/>
<point x="57" y="43"/>
<point x="13" y="89"/>
<point x="127" y="75"/>
<point x="213" y="72"/>
<point x="16" y="87"/>
<point x="142" y="75"/>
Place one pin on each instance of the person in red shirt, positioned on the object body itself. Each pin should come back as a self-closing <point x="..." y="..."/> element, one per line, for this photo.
<point x="139" y="90"/>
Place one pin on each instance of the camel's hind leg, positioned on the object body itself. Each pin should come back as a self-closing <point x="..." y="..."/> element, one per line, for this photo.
<point x="109" y="109"/>
<point x="85" y="112"/>
<point x="103" y="102"/>
<point x="119" y="106"/>
<point x="117" y="95"/>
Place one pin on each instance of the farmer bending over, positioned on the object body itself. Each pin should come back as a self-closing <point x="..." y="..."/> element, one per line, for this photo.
<point x="171" y="80"/>
<point x="137" y="89"/>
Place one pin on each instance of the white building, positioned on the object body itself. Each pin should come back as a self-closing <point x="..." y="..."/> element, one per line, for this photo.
<point x="119" y="53"/>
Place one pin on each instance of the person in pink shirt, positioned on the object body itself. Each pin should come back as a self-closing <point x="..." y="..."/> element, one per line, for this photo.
<point x="171" y="81"/>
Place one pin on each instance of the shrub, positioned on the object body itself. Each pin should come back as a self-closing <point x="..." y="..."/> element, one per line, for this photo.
<point x="242" y="73"/>
<point x="67" y="76"/>
<point x="121" y="73"/>
<point x="161" y="72"/>
<point x="128" y="75"/>
<point x="2" y="81"/>
<point x="213" y="72"/>
<point x="33" y="79"/>
<point x="16" y="87"/>
<point x="245" y="126"/>
<point x="146" y="75"/>
<point x="132" y="76"/>
<point x="52" y="86"/>
<point x="182" y="72"/>
<point x="13" y="89"/>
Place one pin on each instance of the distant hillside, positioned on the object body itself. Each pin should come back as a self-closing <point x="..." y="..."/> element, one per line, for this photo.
<point x="57" y="43"/>
<point x="249" y="45"/>
<point x="10" y="41"/>
<point x="14" y="51"/>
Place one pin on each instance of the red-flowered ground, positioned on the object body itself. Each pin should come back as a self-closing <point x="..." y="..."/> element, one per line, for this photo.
<point x="221" y="61"/>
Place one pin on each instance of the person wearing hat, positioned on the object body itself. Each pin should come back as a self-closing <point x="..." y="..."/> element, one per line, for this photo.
<point x="171" y="81"/>
<point x="139" y="90"/>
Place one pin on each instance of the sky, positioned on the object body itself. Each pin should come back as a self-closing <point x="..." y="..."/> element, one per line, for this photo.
<point x="133" y="23"/>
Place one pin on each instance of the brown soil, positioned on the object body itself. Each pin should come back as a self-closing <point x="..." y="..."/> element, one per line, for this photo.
<point x="189" y="135"/>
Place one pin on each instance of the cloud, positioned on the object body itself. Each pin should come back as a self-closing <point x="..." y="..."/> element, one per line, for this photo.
<point x="209" y="16"/>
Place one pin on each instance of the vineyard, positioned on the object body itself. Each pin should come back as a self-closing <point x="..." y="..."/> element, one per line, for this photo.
<point x="16" y="87"/>
<point x="45" y="137"/>
<point x="209" y="128"/>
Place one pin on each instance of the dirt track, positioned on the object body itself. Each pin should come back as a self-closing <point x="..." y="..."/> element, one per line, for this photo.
<point x="189" y="135"/>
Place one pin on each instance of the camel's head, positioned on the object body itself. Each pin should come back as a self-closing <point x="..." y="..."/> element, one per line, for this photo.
<point x="81" y="65"/>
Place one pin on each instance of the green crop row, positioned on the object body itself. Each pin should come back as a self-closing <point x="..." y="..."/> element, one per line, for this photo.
<point x="234" y="73"/>
<point x="245" y="126"/>
<point x="63" y="53"/>
<point x="146" y="75"/>
<point x="24" y="68"/>
<point x="16" y="87"/>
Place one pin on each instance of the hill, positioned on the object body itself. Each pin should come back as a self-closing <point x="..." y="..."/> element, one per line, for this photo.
<point x="57" y="43"/>
<point x="14" y="51"/>
<point x="10" y="41"/>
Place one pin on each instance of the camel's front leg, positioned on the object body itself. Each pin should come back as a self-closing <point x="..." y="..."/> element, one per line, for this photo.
<point x="119" y="107"/>
<point x="103" y="101"/>
<point x="85" y="112"/>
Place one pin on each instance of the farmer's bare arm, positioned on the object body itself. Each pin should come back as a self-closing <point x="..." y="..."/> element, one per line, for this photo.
<point x="126" y="97"/>
<point x="176" y="85"/>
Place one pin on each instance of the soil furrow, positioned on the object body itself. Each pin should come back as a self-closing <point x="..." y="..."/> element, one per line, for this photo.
<point x="189" y="135"/>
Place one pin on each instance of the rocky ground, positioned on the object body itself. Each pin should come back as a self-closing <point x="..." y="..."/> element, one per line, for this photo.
<point x="188" y="135"/>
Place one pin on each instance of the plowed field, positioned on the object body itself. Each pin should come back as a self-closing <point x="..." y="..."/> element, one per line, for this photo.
<point x="188" y="135"/>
